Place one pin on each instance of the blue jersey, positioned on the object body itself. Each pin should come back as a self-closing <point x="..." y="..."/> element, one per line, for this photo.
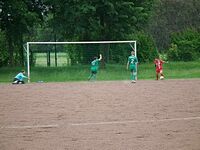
<point x="20" y="76"/>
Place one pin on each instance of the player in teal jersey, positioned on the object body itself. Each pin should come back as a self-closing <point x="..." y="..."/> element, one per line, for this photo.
<point x="132" y="64"/>
<point x="94" y="67"/>
<point x="19" y="78"/>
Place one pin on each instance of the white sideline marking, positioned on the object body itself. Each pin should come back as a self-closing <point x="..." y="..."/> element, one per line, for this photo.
<point x="134" y="121"/>
<point x="100" y="123"/>
<point x="31" y="127"/>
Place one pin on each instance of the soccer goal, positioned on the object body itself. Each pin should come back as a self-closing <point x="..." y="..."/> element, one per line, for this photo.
<point x="79" y="52"/>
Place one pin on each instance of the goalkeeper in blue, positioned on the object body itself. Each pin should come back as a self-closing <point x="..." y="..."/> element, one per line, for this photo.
<point x="132" y="65"/>
<point x="94" y="67"/>
<point x="19" y="78"/>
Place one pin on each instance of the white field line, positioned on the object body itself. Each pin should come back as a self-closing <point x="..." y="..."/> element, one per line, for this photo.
<point x="100" y="123"/>
<point x="30" y="126"/>
<point x="134" y="121"/>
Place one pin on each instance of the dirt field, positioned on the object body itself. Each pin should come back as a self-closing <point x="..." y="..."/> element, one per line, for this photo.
<point x="118" y="115"/>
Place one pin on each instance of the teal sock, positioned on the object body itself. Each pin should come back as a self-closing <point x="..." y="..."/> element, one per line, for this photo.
<point x="94" y="77"/>
<point x="90" y="77"/>
<point x="132" y="76"/>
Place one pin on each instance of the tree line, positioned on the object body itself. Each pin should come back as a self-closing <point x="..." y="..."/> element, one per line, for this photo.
<point x="159" y="26"/>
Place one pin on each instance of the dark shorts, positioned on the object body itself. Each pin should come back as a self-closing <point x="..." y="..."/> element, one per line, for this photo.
<point x="94" y="72"/>
<point x="17" y="81"/>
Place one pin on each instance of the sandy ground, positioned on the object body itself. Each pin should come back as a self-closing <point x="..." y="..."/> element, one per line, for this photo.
<point x="112" y="115"/>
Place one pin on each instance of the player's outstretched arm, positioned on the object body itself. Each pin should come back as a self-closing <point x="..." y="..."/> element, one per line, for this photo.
<point x="100" y="57"/>
<point x="164" y="61"/>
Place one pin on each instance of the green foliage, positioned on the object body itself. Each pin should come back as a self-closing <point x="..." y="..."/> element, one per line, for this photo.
<point x="71" y="20"/>
<point x="173" y="16"/>
<point x="99" y="20"/>
<point x="3" y="50"/>
<point x="120" y="53"/>
<point x="16" y="19"/>
<point x="172" y="53"/>
<point x="185" y="45"/>
<point x="146" y="48"/>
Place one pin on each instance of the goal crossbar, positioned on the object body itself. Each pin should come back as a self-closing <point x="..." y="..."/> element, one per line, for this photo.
<point x="78" y="42"/>
<point x="83" y="42"/>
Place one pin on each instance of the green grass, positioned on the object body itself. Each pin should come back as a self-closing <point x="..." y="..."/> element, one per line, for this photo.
<point x="172" y="70"/>
<point x="41" y="59"/>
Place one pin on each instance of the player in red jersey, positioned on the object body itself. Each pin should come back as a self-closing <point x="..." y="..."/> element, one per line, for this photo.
<point x="159" y="68"/>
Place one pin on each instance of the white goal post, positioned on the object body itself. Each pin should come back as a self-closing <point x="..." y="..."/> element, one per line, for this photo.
<point x="82" y="42"/>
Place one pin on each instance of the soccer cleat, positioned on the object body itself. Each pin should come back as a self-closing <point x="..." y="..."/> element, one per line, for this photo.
<point x="133" y="81"/>
<point x="15" y="82"/>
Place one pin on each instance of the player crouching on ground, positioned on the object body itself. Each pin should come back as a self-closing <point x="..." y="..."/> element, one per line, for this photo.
<point x="132" y="64"/>
<point x="19" y="78"/>
<point x="159" y="68"/>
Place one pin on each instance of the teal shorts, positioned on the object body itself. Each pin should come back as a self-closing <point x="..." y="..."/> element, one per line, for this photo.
<point x="133" y="68"/>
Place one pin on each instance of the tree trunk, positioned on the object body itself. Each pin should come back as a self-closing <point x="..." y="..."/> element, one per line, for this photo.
<point x="10" y="49"/>
<point x="105" y="52"/>
<point x="21" y="50"/>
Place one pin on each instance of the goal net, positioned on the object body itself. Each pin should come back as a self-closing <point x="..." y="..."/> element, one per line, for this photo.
<point x="77" y="53"/>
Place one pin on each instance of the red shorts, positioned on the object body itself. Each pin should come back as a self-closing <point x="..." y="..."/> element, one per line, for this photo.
<point x="159" y="70"/>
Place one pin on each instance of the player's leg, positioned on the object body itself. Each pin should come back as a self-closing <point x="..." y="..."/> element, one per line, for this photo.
<point x="91" y="74"/>
<point x="161" y="73"/>
<point x="21" y="82"/>
<point x="157" y="74"/>
<point x="94" y="75"/>
<point x="133" y="75"/>
<point x="15" y="81"/>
